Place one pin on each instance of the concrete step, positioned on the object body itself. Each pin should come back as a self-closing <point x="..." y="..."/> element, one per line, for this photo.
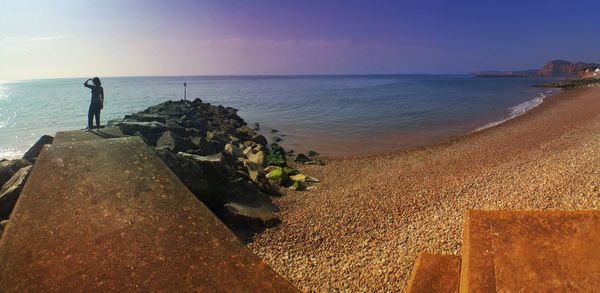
<point x="531" y="251"/>
<point x="109" y="216"/>
<point x="435" y="273"/>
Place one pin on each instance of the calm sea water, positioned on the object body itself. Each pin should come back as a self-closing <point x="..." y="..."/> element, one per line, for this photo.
<point x="335" y="115"/>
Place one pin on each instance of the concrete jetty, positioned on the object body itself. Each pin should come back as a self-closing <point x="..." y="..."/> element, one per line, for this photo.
<point x="103" y="213"/>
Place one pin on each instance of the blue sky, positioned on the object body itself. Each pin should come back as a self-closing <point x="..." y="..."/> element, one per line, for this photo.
<point x="46" y="39"/>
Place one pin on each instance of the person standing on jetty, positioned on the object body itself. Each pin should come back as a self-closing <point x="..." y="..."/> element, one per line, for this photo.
<point x="97" y="102"/>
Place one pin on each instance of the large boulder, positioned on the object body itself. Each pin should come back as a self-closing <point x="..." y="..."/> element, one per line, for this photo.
<point x="246" y="131"/>
<point x="201" y="147"/>
<point x="35" y="150"/>
<point x="233" y="150"/>
<point x="257" y="174"/>
<point x="176" y="127"/>
<point x="130" y="128"/>
<point x="252" y="216"/>
<point x="9" y="193"/>
<point x="244" y="206"/>
<point x="173" y="142"/>
<point x="202" y="175"/>
<point x="217" y="136"/>
<point x="10" y="167"/>
<point x="260" y="139"/>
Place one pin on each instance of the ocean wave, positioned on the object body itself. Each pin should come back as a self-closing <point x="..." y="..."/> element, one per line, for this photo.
<point x="10" y="153"/>
<point x="516" y="111"/>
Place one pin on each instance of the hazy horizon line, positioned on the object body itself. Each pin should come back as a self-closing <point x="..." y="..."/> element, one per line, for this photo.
<point x="239" y="75"/>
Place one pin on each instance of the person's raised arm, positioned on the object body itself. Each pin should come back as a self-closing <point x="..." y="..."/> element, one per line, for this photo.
<point x="85" y="84"/>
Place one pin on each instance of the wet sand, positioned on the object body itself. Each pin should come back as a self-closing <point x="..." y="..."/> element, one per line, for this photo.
<point x="362" y="228"/>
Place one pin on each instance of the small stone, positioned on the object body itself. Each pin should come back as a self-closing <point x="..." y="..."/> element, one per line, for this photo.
<point x="301" y="158"/>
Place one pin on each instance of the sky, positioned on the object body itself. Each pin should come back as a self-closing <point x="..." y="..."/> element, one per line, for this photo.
<point x="60" y="38"/>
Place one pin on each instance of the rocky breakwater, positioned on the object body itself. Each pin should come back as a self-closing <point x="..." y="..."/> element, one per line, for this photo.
<point x="13" y="175"/>
<point x="226" y="164"/>
<point x="572" y="83"/>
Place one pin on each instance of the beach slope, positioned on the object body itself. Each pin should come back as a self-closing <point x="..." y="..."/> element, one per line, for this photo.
<point x="365" y="224"/>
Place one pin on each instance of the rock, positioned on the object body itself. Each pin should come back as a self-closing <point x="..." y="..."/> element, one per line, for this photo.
<point x="246" y="131"/>
<point x="256" y="126"/>
<point x="177" y="128"/>
<point x="35" y="150"/>
<point x="271" y="168"/>
<point x="9" y="193"/>
<point x="114" y="122"/>
<point x="280" y="176"/>
<point x="10" y="167"/>
<point x="298" y="177"/>
<point x="290" y="171"/>
<point x="194" y="132"/>
<point x="3" y="224"/>
<point x="303" y="178"/>
<point x="204" y="176"/>
<point x="249" y="143"/>
<point x="256" y="156"/>
<point x="563" y="68"/>
<point x="253" y="216"/>
<point x="130" y="128"/>
<point x="173" y="142"/>
<point x="149" y="138"/>
<point x="146" y="117"/>
<point x="216" y="158"/>
<point x="274" y="130"/>
<point x="256" y="173"/>
<point x="312" y="153"/>
<point x="301" y="158"/>
<point x="276" y="174"/>
<point x="234" y="123"/>
<point x="276" y="139"/>
<point x="260" y="139"/>
<point x="202" y="146"/>
<point x="216" y="136"/>
<point x="296" y="186"/>
<point x="233" y="150"/>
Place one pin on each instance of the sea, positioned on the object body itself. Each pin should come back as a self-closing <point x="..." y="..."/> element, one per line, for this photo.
<point x="335" y="115"/>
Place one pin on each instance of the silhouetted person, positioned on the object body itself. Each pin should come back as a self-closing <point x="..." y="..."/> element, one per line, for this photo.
<point x="97" y="102"/>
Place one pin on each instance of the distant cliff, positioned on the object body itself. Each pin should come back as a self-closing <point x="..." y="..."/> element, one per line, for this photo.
<point x="559" y="68"/>
<point x="563" y="68"/>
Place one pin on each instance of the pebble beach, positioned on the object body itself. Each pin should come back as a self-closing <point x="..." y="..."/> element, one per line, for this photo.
<point x="363" y="227"/>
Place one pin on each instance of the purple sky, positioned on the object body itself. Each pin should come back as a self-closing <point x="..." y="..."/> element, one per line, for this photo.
<point x="42" y="39"/>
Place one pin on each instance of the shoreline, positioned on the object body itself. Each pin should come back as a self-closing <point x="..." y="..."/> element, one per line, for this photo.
<point x="448" y="140"/>
<point x="364" y="226"/>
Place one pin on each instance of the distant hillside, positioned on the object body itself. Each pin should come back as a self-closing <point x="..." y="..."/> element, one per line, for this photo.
<point x="552" y="68"/>
<point x="563" y="68"/>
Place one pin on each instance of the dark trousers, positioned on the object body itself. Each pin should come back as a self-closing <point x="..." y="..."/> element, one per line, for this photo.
<point x="94" y="112"/>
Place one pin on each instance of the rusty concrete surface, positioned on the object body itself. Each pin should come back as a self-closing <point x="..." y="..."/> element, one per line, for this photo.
<point x="531" y="251"/>
<point x="82" y="135"/>
<point x="435" y="273"/>
<point x="109" y="216"/>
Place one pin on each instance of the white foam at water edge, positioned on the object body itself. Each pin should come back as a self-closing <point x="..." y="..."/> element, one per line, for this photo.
<point x="516" y="111"/>
<point x="10" y="153"/>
